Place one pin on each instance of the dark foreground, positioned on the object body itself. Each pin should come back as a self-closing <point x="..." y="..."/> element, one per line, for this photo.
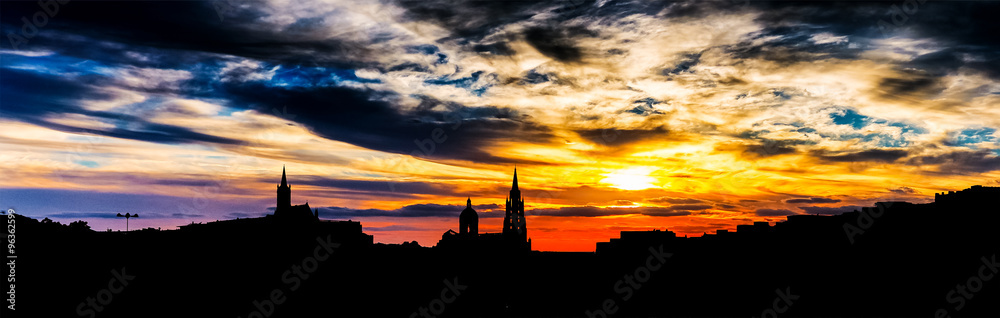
<point x="907" y="260"/>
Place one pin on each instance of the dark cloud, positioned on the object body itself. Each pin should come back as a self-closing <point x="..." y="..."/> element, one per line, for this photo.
<point x="773" y="212"/>
<point x="470" y="18"/>
<point x="83" y="215"/>
<point x="913" y="83"/>
<point x="764" y="147"/>
<point x="954" y="28"/>
<point x="960" y="161"/>
<point x="903" y="190"/>
<point x="822" y="210"/>
<point x="370" y="186"/>
<point x="619" y="137"/>
<point x="881" y="155"/>
<point x="690" y="207"/>
<point x="496" y="48"/>
<point x="673" y="200"/>
<point x="812" y="200"/>
<point x="556" y="43"/>
<point x="193" y="26"/>
<point x="394" y="228"/>
<point x="107" y="215"/>
<point x="368" y="119"/>
<point x="415" y="210"/>
<point x="41" y="100"/>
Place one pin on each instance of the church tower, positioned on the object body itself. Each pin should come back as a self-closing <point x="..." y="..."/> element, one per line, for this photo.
<point x="514" y="226"/>
<point x="284" y="193"/>
<point x="468" y="221"/>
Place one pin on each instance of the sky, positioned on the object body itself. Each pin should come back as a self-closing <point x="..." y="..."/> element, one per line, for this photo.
<point x="692" y="116"/>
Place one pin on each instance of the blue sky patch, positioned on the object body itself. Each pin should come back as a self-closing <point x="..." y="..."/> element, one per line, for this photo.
<point x="847" y="116"/>
<point x="87" y="163"/>
<point x="971" y="136"/>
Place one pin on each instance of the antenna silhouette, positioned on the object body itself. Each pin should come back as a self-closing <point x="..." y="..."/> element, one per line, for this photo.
<point x="127" y="216"/>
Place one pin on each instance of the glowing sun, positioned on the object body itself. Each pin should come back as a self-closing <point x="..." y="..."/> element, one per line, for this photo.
<point x="631" y="179"/>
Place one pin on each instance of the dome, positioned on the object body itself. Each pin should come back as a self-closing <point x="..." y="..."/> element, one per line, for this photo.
<point x="469" y="213"/>
<point x="469" y="220"/>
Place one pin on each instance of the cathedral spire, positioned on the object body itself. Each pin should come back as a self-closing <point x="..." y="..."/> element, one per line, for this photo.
<point x="468" y="203"/>
<point x="284" y="182"/>
<point x="514" y="187"/>
<point x="284" y="192"/>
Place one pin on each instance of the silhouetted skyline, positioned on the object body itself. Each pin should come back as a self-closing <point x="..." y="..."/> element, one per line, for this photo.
<point x="895" y="259"/>
<point x="493" y="158"/>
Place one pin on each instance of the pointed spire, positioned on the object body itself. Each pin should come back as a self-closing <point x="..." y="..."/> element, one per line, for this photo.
<point x="515" y="179"/>
<point x="284" y="182"/>
<point x="468" y="203"/>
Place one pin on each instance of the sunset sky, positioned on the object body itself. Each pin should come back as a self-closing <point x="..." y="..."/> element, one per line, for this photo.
<point x="619" y="115"/>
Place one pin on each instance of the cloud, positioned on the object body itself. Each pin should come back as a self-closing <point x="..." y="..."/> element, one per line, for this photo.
<point x="364" y="118"/>
<point x="813" y="200"/>
<point x="822" y="210"/>
<point x="959" y="161"/>
<point x="612" y="137"/>
<point x="394" y="228"/>
<point x="673" y="200"/>
<point x="689" y="207"/>
<point x="109" y="215"/>
<point x="380" y="186"/>
<point x="556" y="42"/>
<point x="882" y="155"/>
<point x="42" y="100"/>
<point x="903" y="190"/>
<point x="592" y="211"/>
<point x="773" y="212"/>
<point x="409" y="211"/>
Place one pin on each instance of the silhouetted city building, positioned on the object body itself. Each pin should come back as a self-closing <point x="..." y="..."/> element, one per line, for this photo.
<point x="514" y="225"/>
<point x="468" y="221"/>
<point x="513" y="237"/>
<point x="974" y="193"/>
<point x="286" y="218"/>
<point x="285" y="210"/>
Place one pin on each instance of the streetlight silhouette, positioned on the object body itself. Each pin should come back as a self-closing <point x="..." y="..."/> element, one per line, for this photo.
<point x="127" y="216"/>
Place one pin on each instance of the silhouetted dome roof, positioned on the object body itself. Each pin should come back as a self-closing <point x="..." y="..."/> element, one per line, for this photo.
<point x="469" y="212"/>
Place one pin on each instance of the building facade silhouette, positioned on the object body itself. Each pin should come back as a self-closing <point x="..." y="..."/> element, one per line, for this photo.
<point x="514" y="234"/>
<point x="468" y="221"/>
<point x="284" y="208"/>
<point x="514" y="225"/>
